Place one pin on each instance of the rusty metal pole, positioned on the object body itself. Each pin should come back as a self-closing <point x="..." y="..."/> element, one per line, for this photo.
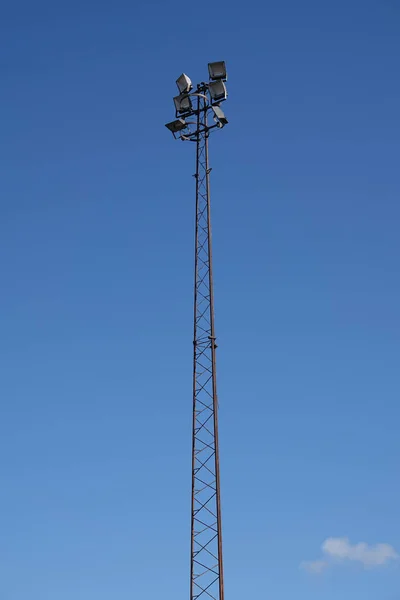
<point x="206" y="570"/>
<point x="196" y="235"/>
<point x="206" y="553"/>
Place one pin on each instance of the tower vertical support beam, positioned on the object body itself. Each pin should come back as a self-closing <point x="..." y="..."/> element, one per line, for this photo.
<point x="206" y="539"/>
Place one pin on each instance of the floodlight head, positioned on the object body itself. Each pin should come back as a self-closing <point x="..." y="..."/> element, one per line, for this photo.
<point x="184" y="84"/>
<point x="219" y="116"/>
<point x="183" y="104"/>
<point x="217" y="70"/>
<point x="217" y="90"/>
<point x="176" y="126"/>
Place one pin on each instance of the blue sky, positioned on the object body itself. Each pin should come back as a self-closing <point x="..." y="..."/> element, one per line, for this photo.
<point x="96" y="304"/>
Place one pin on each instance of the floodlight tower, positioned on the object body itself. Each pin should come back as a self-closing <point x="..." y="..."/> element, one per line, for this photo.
<point x="193" y="109"/>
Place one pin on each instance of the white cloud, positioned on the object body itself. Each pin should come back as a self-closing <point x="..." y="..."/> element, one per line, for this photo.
<point x="369" y="556"/>
<point x="341" y="550"/>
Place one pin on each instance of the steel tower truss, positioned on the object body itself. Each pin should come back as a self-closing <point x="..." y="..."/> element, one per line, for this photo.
<point x="207" y="567"/>
<point x="207" y="581"/>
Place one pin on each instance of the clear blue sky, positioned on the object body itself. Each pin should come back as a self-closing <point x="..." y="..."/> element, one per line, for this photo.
<point x="96" y="296"/>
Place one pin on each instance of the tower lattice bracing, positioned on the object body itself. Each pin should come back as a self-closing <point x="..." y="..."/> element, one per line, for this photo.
<point x="193" y="107"/>
<point x="207" y="567"/>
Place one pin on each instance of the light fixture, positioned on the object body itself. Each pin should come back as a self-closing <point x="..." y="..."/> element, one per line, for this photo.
<point x="217" y="90"/>
<point x="183" y="104"/>
<point x="176" y="126"/>
<point x="219" y="116"/>
<point x="217" y="70"/>
<point x="184" y="84"/>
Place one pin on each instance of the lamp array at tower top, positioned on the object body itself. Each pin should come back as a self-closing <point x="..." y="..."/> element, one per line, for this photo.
<point x="213" y="93"/>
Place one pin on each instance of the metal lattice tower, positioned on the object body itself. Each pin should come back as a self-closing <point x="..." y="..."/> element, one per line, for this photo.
<point x="207" y="569"/>
<point x="207" y="581"/>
